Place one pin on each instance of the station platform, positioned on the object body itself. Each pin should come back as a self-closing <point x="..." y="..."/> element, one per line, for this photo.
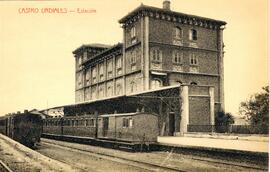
<point x="17" y="157"/>
<point x="243" y="143"/>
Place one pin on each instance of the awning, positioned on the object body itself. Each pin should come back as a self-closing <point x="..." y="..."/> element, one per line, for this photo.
<point x="159" y="73"/>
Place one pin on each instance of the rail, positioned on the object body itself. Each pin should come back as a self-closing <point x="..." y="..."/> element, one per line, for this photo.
<point x="4" y="167"/>
<point x="135" y="163"/>
<point x="138" y="163"/>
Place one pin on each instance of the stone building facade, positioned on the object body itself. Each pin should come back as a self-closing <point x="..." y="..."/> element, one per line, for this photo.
<point x="160" y="48"/>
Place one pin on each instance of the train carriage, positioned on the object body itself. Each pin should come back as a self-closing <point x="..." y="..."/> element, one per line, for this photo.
<point x="124" y="128"/>
<point x="129" y="127"/>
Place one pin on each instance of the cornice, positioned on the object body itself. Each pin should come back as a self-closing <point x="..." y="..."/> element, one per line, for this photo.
<point x="109" y="53"/>
<point x="161" y="14"/>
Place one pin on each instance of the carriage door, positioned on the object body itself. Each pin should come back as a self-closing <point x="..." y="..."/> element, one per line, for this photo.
<point x="171" y="123"/>
<point x="105" y="126"/>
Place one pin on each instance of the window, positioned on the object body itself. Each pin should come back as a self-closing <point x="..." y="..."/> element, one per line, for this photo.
<point x="118" y="63"/>
<point x="94" y="93"/>
<point x="87" y="76"/>
<point x="80" y="60"/>
<point x="127" y="122"/>
<point x="156" y="83"/>
<point x="133" y="57"/>
<point x="130" y="122"/>
<point x="193" y="59"/>
<point x="101" y="92"/>
<point x="193" y="83"/>
<point x="94" y="75"/>
<point x="118" y="89"/>
<point x="109" y="91"/>
<point x="101" y="72"/>
<point x="177" y="57"/>
<point x="133" y="86"/>
<point x="193" y="34"/>
<point x="156" y="55"/>
<point x="178" y="33"/>
<point x="90" y="122"/>
<point x="133" y="32"/>
<point x="110" y="68"/>
<point x="85" y="55"/>
<point x="79" y="79"/>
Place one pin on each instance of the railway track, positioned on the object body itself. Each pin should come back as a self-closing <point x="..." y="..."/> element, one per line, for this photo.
<point x="154" y="167"/>
<point x="4" y="167"/>
<point x="135" y="163"/>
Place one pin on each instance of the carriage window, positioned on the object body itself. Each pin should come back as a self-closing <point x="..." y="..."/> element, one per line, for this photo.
<point x="92" y="122"/>
<point x="130" y="122"/>
<point x="72" y="123"/>
<point x="125" y="122"/>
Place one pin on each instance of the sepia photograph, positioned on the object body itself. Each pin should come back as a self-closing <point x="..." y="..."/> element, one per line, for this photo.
<point x="134" y="85"/>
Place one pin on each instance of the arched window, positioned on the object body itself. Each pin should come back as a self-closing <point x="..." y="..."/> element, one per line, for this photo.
<point x="193" y="34"/>
<point x="193" y="83"/>
<point x="178" y="32"/>
<point x="156" y="83"/>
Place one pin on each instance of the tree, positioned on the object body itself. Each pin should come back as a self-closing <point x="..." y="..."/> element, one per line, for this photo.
<point x="224" y="119"/>
<point x="256" y="111"/>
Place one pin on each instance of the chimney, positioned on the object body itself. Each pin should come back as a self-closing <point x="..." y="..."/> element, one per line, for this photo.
<point x="167" y="5"/>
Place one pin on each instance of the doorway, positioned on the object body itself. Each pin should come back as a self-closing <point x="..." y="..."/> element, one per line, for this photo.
<point x="171" y="123"/>
<point x="105" y="126"/>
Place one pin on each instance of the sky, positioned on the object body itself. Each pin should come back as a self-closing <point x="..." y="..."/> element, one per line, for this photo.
<point x="37" y="68"/>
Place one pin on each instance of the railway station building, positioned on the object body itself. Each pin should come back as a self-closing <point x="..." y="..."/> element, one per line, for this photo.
<point x="161" y="50"/>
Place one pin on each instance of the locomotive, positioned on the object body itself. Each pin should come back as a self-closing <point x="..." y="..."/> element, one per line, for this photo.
<point x="25" y="128"/>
